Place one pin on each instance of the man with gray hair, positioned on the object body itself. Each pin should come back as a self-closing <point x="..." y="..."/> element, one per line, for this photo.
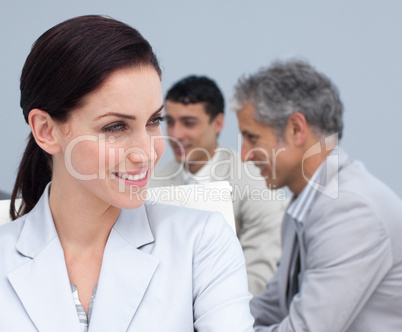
<point x="341" y="264"/>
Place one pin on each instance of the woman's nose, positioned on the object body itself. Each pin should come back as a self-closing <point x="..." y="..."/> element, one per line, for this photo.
<point x="142" y="150"/>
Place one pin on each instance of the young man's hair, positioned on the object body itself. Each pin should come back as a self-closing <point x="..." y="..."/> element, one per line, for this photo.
<point x="198" y="89"/>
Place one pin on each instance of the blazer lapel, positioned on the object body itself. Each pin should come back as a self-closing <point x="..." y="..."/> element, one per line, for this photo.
<point x="289" y="242"/>
<point x="126" y="272"/>
<point x="42" y="283"/>
<point x="302" y="253"/>
<point x="293" y="231"/>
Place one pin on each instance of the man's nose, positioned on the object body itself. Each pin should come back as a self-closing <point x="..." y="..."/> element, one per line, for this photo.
<point x="176" y="131"/>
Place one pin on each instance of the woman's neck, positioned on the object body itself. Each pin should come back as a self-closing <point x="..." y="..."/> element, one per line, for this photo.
<point x="83" y="222"/>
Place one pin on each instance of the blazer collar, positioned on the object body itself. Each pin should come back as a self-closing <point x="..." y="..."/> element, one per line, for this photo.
<point x="293" y="223"/>
<point x="38" y="229"/>
<point x="126" y="272"/>
<point x="133" y="226"/>
<point x="329" y="173"/>
<point x="43" y="286"/>
<point x="324" y="181"/>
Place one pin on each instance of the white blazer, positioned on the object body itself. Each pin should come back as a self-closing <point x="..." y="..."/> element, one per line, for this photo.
<point x="165" y="268"/>
<point x="258" y="211"/>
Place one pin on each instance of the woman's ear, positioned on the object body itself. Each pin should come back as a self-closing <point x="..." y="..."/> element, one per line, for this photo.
<point x="43" y="130"/>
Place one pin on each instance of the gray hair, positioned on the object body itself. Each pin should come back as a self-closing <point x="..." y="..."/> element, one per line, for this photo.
<point x="287" y="87"/>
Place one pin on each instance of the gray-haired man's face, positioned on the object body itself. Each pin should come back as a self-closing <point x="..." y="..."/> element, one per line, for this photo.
<point x="279" y="162"/>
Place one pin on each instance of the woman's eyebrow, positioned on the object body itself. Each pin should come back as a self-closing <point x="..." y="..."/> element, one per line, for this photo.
<point x="116" y="114"/>
<point x="158" y="110"/>
<point x="124" y="116"/>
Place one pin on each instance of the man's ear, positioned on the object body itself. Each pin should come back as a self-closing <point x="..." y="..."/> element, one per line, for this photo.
<point x="297" y="128"/>
<point x="44" y="130"/>
<point x="219" y="121"/>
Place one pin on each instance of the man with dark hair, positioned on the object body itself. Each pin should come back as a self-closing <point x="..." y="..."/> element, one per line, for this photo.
<point x="341" y="264"/>
<point x="195" y="116"/>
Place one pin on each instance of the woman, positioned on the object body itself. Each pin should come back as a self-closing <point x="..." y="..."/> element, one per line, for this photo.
<point x="85" y="251"/>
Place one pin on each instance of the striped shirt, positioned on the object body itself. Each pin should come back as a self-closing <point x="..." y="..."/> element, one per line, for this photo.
<point x="84" y="319"/>
<point x="300" y="205"/>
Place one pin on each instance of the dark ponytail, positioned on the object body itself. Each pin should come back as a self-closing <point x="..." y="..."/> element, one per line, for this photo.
<point x="66" y="63"/>
<point x="34" y="173"/>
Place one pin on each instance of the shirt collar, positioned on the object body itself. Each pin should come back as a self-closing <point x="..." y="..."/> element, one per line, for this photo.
<point x="300" y="205"/>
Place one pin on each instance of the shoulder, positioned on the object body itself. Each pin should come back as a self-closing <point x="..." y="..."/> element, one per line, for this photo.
<point x="10" y="231"/>
<point x="167" y="174"/>
<point x="173" y="214"/>
<point x="356" y="202"/>
<point x="205" y="235"/>
<point x="184" y="223"/>
<point x="356" y="186"/>
<point x="9" y="235"/>
<point x="167" y="169"/>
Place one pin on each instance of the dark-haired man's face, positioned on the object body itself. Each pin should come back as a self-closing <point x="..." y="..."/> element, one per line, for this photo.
<point x="193" y="135"/>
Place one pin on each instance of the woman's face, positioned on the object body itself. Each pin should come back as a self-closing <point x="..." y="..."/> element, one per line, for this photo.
<point x="111" y="144"/>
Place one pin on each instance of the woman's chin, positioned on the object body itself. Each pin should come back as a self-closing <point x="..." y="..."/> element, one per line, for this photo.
<point x="134" y="199"/>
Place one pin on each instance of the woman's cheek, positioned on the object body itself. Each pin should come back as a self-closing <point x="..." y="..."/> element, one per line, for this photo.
<point x="85" y="160"/>
<point x="160" y="146"/>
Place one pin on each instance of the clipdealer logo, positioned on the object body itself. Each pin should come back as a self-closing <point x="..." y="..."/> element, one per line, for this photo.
<point x="329" y="168"/>
<point x="110" y="156"/>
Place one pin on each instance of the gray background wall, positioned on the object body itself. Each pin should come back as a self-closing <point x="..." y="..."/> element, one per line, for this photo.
<point x="355" y="42"/>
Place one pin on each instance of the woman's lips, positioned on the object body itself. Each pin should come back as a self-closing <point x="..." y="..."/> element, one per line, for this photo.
<point x="137" y="178"/>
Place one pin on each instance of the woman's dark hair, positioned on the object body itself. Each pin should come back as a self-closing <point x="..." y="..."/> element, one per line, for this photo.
<point x="65" y="64"/>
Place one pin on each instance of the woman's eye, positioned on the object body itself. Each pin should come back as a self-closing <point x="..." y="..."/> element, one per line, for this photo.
<point x="156" y="121"/>
<point x="115" y="127"/>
